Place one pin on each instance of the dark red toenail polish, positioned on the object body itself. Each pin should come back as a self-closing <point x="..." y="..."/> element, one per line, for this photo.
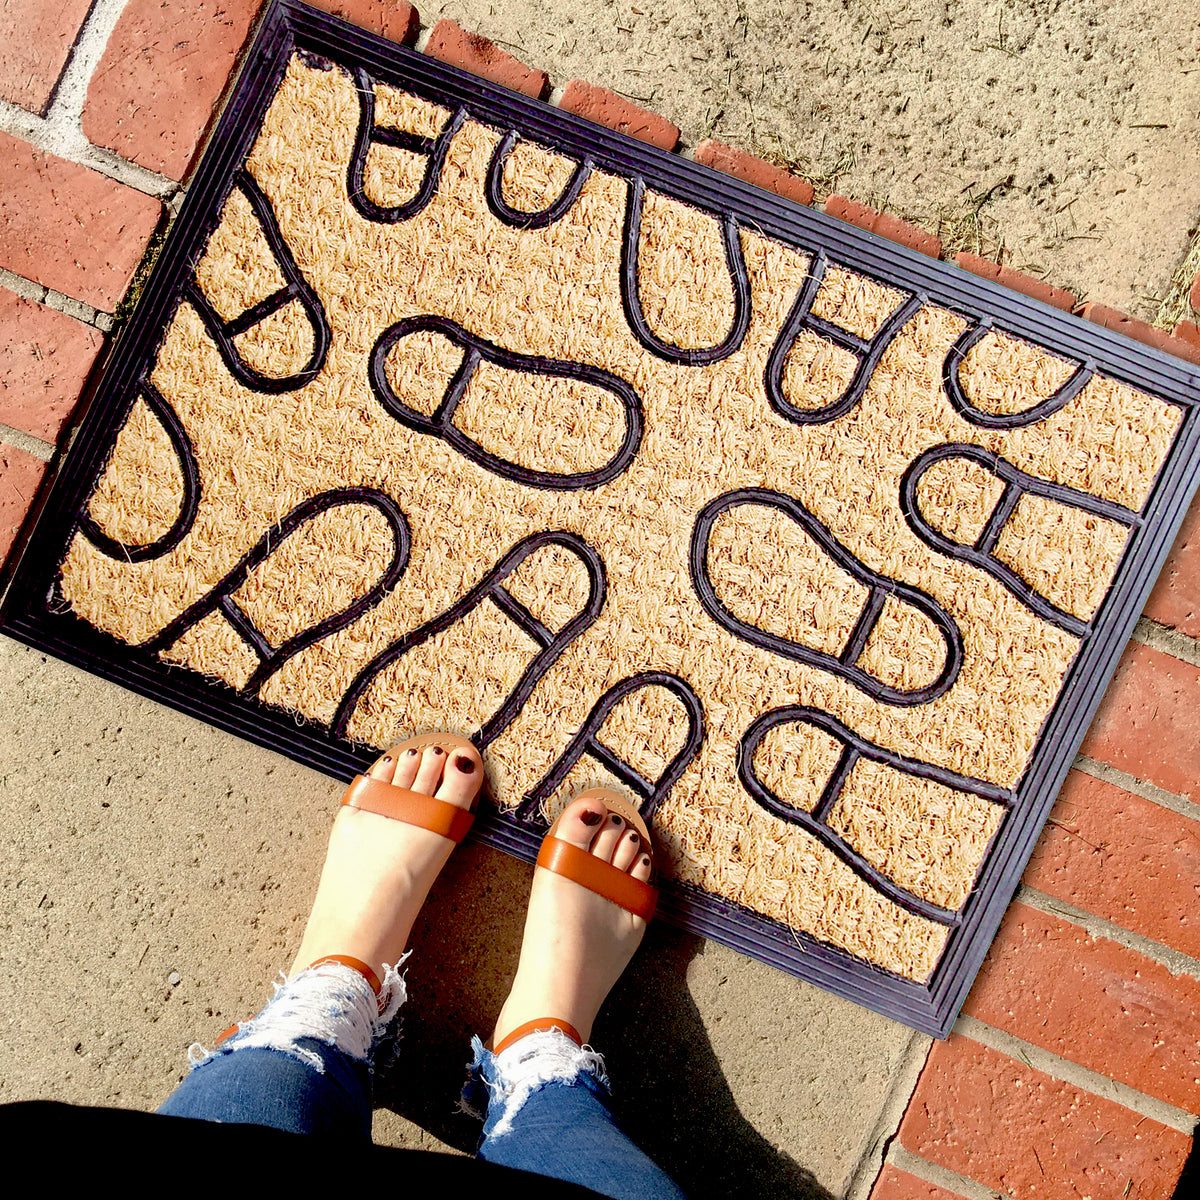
<point x="464" y="764"/>
<point x="645" y="861"/>
<point x="437" y="750"/>
<point x="387" y="758"/>
<point x="633" y="837"/>
<point x="615" y="819"/>
<point x="590" y="818"/>
<point x="411" y="753"/>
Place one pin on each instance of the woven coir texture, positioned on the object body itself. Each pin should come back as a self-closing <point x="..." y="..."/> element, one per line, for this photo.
<point x="809" y="554"/>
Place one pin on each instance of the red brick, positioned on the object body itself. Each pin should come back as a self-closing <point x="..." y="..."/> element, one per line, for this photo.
<point x="20" y="474"/>
<point x="1140" y="331"/>
<point x="1189" y="332"/>
<point x="164" y="68"/>
<point x="1007" y="1126"/>
<point x="1175" y="600"/>
<point x="1126" y="859"/>
<point x="884" y="224"/>
<point x="1149" y="721"/>
<point x="615" y="112"/>
<point x="472" y="52"/>
<point x="1018" y="281"/>
<point x="1093" y="1002"/>
<point x="36" y="37"/>
<point x="900" y="1185"/>
<point x="45" y="357"/>
<point x="167" y="63"/>
<point x="68" y="227"/>
<point x="753" y="170"/>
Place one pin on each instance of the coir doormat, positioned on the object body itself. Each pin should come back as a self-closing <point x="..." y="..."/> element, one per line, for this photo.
<point x="445" y="408"/>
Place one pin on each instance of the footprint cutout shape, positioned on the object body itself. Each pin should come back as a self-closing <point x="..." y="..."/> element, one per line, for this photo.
<point x="993" y="515"/>
<point x="520" y="218"/>
<point x="833" y="752"/>
<point x="127" y="460"/>
<point x="632" y="285"/>
<point x="263" y="345"/>
<point x="590" y="741"/>
<point x="576" y="411"/>
<point x="866" y="647"/>
<point x="372" y="133"/>
<point x="1024" y="364"/>
<point x="550" y="631"/>
<point x="867" y="351"/>
<point x="223" y="599"/>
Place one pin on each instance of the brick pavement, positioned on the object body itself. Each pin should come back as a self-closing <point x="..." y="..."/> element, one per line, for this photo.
<point x="1073" y="1069"/>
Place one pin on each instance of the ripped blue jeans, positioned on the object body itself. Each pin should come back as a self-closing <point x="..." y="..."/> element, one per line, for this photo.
<point x="304" y="1065"/>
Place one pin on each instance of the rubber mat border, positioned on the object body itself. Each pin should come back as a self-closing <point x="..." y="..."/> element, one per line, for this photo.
<point x="287" y="26"/>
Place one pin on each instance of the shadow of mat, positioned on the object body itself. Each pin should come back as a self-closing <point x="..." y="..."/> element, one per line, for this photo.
<point x="672" y="1095"/>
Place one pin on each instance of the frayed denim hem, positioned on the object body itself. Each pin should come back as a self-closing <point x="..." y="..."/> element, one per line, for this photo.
<point x="498" y="1085"/>
<point x="332" y="1004"/>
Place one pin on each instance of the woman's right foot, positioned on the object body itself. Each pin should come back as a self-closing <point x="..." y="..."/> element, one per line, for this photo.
<point x="576" y="943"/>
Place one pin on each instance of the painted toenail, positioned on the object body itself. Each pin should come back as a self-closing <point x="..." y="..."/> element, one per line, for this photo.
<point x="615" y="819"/>
<point x="645" y="860"/>
<point x="633" y="837"/>
<point x="464" y="764"/>
<point x="437" y="750"/>
<point x="387" y="758"/>
<point x="412" y="754"/>
<point x="590" y="818"/>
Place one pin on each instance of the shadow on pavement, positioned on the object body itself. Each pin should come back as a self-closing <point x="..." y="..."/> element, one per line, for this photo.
<point x="671" y="1094"/>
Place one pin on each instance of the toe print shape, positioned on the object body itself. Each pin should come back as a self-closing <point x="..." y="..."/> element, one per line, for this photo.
<point x="521" y="176"/>
<point x="614" y="719"/>
<point x="840" y="355"/>
<point x="399" y="151"/>
<point x="146" y="500"/>
<point x="536" y="589"/>
<point x="277" y="599"/>
<point x="890" y="639"/>
<point x="497" y="407"/>
<point x="1008" y="383"/>
<point x="273" y="342"/>
<point x="665" y="257"/>
<point x="807" y="768"/>
<point x="1055" y="548"/>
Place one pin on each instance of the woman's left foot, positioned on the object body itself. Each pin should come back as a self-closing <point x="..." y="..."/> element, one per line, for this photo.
<point x="378" y="870"/>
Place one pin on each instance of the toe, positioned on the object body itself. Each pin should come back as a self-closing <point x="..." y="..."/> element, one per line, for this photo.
<point x="642" y="869"/>
<point x="606" y="841"/>
<point x="580" y="821"/>
<point x="407" y="762"/>
<point x="461" y="779"/>
<point x="627" y="849"/>
<point x="383" y="767"/>
<point x="429" y="773"/>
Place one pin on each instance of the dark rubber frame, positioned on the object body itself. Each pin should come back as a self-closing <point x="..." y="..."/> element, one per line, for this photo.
<point x="287" y="26"/>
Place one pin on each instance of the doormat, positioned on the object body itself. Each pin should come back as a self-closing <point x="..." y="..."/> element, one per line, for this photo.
<point x="445" y="408"/>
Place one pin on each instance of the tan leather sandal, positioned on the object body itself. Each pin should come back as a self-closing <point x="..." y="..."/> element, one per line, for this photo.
<point x="616" y="886"/>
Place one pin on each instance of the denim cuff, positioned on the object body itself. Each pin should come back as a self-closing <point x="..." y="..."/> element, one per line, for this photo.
<point x="498" y="1085"/>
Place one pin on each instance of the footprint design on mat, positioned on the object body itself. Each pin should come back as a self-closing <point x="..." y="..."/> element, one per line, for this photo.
<point x="1056" y="549"/>
<point x="273" y="596"/>
<point x="535" y="175"/>
<point x="1007" y="371"/>
<point x="493" y="405"/>
<point x="770" y="573"/>
<point x="605" y="719"/>
<point x="808" y="333"/>
<point x="277" y="342"/>
<point x="120" y="505"/>
<point x="813" y="759"/>
<point x="526" y="579"/>
<point x="399" y="150"/>
<point x="669" y="245"/>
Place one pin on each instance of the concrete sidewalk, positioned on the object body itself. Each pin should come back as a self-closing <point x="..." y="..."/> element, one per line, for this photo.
<point x="157" y="871"/>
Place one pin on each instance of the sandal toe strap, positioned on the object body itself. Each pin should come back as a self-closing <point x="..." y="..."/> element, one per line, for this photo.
<point x="412" y="808"/>
<point x="603" y="878"/>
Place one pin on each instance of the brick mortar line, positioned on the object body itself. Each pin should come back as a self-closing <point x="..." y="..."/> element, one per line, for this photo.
<point x="1180" y="805"/>
<point x="904" y="1159"/>
<point x="1167" y="641"/>
<point x="1175" y="961"/>
<point x="1071" y="1073"/>
<point x="891" y="1113"/>
<point x="27" y="289"/>
<point x="20" y="440"/>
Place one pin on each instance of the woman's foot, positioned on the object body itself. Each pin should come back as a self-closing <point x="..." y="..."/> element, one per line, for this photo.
<point x="576" y="943"/>
<point x="378" y="871"/>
